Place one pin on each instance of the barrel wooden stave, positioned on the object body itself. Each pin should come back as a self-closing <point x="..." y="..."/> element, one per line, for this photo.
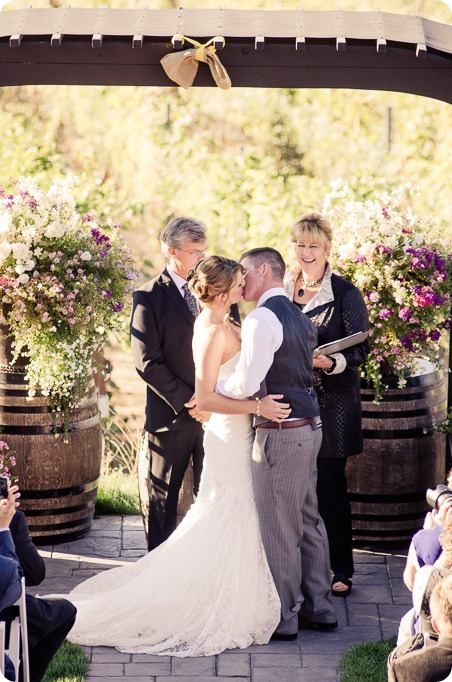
<point x="58" y="480"/>
<point x="402" y="457"/>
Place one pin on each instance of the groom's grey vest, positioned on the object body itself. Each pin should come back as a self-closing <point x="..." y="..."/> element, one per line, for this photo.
<point x="291" y="372"/>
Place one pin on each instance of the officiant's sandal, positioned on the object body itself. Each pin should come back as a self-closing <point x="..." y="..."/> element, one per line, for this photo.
<point x="341" y="579"/>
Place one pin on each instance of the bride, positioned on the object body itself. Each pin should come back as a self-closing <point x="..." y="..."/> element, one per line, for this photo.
<point x="208" y="587"/>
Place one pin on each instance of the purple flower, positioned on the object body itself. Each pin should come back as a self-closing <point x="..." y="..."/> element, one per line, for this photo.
<point x="108" y="294"/>
<point x="117" y="306"/>
<point x="100" y="238"/>
<point x="407" y="343"/>
<point x="404" y="313"/>
<point x="385" y="314"/>
<point x="434" y="334"/>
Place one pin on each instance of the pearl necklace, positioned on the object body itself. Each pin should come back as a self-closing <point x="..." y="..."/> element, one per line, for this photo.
<point x="309" y="284"/>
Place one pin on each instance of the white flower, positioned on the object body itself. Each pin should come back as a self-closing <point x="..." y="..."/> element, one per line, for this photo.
<point x="100" y="330"/>
<point x="346" y="251"/>
<point x="55" y="230"/>
<point x="5" y="250"/>
<point x="85" y="256"/>
<point x="23" y="279"/>
<point x="20" y="251"/>
<point x="5" y="222"/>
<point x="367" y="250"/>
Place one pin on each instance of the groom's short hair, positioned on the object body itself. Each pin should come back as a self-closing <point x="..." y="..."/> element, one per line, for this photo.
<point x="265" y="254"/>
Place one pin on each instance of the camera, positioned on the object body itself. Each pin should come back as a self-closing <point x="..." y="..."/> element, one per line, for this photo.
<point x="4" y="485"/>
<point x="438" y="496"/>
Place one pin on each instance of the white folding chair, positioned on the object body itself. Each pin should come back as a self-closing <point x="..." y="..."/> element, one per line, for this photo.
<point x="18" y="635"/>
<point x="2" y="649"/>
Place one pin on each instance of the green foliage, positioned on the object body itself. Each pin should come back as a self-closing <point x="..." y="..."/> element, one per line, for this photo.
<point x="366" y="661"/>
<point x="118" y="494"/>
<point x="246" y="161"/>
<point x="70" y="664"/>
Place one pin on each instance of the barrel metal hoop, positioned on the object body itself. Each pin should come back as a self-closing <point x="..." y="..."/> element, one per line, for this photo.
<point x="377" y="434"/>
<point x="57" y="511"/>
<point x="66" y="524"/>
<point x="417" y="496"/>
<point x="51" y="537"/>
<point x="60" y="492"/>
<point x="406" y="533"/>
<point x="22" y="430"/>
<point x="25" y="409"/>
<point x="388" y="518"/>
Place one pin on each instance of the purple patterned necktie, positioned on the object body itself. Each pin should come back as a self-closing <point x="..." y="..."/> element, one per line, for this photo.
<point x="190" y="300"/>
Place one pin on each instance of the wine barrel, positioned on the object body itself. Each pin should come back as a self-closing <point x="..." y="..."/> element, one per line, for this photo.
<point x="58" y="480"/>
<point x="402" y="457"/>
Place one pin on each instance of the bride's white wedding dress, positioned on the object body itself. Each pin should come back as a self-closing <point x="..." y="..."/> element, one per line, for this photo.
<point x="208" y="587"/>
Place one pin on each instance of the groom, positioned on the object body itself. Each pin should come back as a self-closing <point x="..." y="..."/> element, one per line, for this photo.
<point x="277" y="348"/>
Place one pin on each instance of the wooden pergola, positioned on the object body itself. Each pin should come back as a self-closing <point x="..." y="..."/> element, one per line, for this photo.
<point x="263" y="48"/>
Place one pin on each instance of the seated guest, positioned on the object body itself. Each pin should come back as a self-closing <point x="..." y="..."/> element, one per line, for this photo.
<point x="417" y="620"/>
<point x="31" y="562"/>
<point x="10" y="571"/>
<point x="49" y="620"/>
<point x="425" y="546"/>
<point x="431" y="663"/>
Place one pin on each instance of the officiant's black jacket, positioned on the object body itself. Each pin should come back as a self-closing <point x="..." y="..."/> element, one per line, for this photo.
<point x="161" y="334"/>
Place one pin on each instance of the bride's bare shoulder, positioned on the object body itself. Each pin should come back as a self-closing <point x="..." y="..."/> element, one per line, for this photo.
<point x="207" y="332"/>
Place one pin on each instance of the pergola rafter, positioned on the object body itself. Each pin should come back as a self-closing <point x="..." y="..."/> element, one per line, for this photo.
<point x="264" y="48"/>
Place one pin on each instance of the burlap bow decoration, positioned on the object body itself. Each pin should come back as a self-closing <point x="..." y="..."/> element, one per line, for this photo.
<point x="182" y="66"/>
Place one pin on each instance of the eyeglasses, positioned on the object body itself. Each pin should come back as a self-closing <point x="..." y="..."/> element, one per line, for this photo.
<point x="197" y="252"/>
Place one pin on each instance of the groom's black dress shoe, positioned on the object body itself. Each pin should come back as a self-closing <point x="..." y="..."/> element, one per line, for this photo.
<point x="305" y="624"/>
<point x="280" y="636"/>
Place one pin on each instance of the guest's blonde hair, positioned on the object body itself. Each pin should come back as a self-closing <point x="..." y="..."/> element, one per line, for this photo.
<point x="314" y="226"/>
<point x="441" y="597"/>
<point x="213" y="276"/>
<point x="445" y="540"/>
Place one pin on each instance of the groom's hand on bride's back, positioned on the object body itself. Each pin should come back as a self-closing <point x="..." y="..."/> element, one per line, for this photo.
<point x="272" y="408"/>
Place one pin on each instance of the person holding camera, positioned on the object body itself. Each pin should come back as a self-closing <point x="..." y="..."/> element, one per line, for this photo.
<point x="48" y="620"/>
<point x="430" y="663"/>
<point x="425" y="547"/>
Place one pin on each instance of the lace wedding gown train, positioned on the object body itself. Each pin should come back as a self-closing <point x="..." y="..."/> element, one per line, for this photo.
<point x="208" y="587"/>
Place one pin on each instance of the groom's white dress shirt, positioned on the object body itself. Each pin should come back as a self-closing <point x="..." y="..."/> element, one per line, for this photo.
<point x="262" y="335"/>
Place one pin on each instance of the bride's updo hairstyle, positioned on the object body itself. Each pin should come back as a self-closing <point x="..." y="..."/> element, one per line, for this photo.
<point x="213" y="276"/>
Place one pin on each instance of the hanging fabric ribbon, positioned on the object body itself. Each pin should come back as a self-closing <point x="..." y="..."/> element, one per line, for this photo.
<point x="182" y="66"/>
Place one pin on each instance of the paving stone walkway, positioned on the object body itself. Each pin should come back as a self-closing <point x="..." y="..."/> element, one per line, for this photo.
<point x="372" y="612"/>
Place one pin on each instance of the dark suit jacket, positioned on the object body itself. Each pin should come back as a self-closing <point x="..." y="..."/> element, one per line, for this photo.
<point x="431" y="664"/>
<point x="340" y="394"/>
<point x="32" y="563"/>
<point x="161" y="331"/>
<point x="10" y="572"/>
<point x="161" y="335"/>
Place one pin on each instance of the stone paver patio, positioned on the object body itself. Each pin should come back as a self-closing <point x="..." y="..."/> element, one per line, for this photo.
<point x="372" y="612"/>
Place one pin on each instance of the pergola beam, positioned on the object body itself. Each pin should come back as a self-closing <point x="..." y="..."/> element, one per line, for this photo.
<point x="264" y="48"/>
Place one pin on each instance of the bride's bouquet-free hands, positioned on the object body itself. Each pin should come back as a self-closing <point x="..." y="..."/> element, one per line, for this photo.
<point x="273" y="408"/>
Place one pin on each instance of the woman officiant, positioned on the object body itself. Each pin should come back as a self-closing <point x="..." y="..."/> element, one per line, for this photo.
<point x="337" y="309"/>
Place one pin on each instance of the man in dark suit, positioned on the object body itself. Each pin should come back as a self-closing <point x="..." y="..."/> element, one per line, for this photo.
<point x="10" y="571"/>
<point x="432" y="663"/>
<point x="49" y="620"/>
<point x="163" y="315"/>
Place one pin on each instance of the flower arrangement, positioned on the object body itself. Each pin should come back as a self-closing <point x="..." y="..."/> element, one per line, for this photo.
<point x="63" y="284"/>
<point x="7" y="460"/>
<point x="402" y="267"/>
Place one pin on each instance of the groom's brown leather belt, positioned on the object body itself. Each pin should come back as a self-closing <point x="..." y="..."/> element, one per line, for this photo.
<point x="292" y="424"/>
